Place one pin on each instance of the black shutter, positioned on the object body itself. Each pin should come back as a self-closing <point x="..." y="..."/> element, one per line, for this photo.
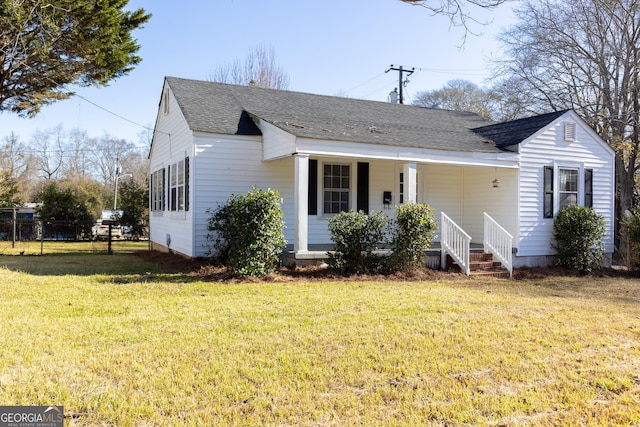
<point x="548" y="192"/>
<point x="152" y="206"/>
<point x="164" y="188"/>
<point x="363" y="187"/>
<point x="186" y="183"/>
<point x="588" y="188"/>
<point x="169" y="201"/>
<point x="312" y="208"/>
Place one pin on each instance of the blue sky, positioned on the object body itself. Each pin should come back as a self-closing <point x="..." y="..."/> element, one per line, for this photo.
<point x="332" y="47"/>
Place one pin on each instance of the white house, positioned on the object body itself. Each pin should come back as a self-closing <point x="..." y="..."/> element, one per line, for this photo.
<point x="498" y="186"/>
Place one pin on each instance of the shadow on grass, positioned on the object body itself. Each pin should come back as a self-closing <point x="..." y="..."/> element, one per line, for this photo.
<point x="118" y="268"/>
<point x="146" y="266"/>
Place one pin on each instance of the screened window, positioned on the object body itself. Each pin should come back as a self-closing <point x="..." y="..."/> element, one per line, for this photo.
<point x="157" y="190"/>
<point x="177" y="186"/>
<point x="568" y="187"/>
<point x="336" y="185"/>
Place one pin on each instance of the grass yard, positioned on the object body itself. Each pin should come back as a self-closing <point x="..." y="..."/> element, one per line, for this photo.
<point x="120" y="341"/>
<point x="49" y="247"/>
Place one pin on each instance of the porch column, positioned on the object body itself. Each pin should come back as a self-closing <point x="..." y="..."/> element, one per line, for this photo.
<point x="301" y="203"/>
<point x="410" y="171"/>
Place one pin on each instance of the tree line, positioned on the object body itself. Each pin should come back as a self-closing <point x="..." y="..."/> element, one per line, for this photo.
<point x="71" y="168"/>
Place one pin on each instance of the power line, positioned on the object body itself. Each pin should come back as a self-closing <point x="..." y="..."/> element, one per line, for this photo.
<point x="364" y="83"/>
<point x="386" y="86"/>
<point x="113" y="113"/>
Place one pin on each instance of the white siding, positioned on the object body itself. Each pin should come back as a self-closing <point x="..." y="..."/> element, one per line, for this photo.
<point x="172" y="142"/>
<point x="442" y="190"/>
<point x="548" y="148"/>
<point x="232" y="164"/>
<point x="277" y="143"/>
<point x="481" y="196"/>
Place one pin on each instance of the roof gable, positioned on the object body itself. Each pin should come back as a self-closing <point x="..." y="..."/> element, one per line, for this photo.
<point x="516" y="131"/>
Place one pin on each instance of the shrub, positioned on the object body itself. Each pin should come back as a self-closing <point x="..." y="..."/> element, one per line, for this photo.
<point x="247" y="232"/>
<point x="356" y="235"/>
<point x="630" y="239"/>
<point x="412" y="234"/>
<point x="579" y="232"/>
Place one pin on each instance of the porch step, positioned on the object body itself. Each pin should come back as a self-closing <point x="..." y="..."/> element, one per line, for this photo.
<point x="482" y="264"/>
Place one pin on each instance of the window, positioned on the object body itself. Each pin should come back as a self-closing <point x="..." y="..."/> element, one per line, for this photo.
<point x="567" y="190"/>
<point x="157" y="190"/>
<point x="336" y="185"/>
<point x="568" y="187"/>
<point x="178" y="185"/>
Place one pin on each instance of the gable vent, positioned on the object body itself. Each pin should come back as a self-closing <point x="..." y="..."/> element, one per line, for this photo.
<point x="570" y="132"/>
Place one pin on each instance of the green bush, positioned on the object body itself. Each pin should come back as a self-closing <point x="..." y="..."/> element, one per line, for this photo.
<point x="412" y="233"/>
<point x="579" y="232"/>
<point x="356" y="236"/>
<point x="630" y="239"/>
<point x="247" y="232"/>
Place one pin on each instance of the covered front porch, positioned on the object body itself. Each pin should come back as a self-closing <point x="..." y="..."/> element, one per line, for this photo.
<point x="474" y="200"/>
<point x="455" y="248"/>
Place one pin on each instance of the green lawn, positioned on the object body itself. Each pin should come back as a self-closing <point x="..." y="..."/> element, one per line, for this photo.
<point x="122" y="342"/>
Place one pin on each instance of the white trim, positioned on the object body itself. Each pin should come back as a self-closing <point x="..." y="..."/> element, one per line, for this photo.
<point x="410" y="171"/>
<point x="556" y="183"/>
<point x="352" y="178"/>
<point x="300" y="202"/>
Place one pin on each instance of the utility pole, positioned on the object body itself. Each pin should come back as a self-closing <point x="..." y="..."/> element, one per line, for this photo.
<point x="401" y="70"/>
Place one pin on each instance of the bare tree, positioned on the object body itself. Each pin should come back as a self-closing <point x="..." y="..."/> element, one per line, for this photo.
<point x="77" y="155"/>
<point x="259" y="68"/>
<point x="49" y="148"/>
<point x="457" y="10"/>
<point x="511" y="101"/>
<point x="12" y="155"/>
<point x="14" y="170"/>
<point x="584" y="55"/>
<point x="459" y="95"/>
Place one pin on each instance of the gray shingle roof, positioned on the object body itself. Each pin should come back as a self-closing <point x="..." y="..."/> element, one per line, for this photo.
<point x="218" y="108"/>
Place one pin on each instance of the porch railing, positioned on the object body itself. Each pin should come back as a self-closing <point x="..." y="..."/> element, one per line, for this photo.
<point x="499" y="242"/>
<point x="455" y="242"/>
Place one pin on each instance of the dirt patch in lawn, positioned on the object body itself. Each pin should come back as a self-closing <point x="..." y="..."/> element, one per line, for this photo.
<point x="204" y="270"/>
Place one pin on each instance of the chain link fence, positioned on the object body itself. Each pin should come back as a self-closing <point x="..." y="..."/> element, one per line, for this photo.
<point x="28" y="236"/>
